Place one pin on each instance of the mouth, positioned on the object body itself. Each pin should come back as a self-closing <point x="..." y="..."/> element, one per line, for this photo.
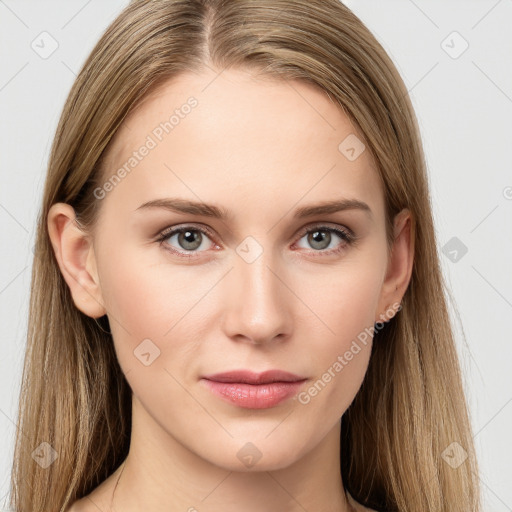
<point x="250" y="390"/>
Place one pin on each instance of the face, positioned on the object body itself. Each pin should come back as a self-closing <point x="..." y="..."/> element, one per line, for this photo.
<point x="270" y="285"/>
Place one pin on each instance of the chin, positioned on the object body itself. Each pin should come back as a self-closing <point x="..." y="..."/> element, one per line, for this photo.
<point x="256" y="456"/>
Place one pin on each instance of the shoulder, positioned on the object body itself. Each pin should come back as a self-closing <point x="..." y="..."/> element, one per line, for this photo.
<point x="99" y="498"/>
<point x="357" y="506"/>
<point x="84" y="505"/>
<point x="96" y="500"/>
<point x="76" y="507"/>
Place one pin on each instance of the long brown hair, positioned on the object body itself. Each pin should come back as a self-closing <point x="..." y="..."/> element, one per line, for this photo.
<point x="411" y="406"/>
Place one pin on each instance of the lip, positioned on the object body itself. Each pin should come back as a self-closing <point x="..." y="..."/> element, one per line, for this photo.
<point x="249" y="377"/>
<point x="250" y="390"/>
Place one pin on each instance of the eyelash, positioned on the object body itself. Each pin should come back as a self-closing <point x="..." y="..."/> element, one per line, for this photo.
<point x="347" y="236"/>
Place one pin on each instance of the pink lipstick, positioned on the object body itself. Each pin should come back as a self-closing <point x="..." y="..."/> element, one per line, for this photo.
<point x="254" y="390"/>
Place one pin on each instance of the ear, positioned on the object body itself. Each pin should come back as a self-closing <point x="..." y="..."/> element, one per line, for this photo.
<point x="399" y="268"/>
<point x="75" y="255"/>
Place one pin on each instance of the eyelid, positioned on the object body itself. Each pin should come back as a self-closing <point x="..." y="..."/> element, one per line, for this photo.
<point x="177" y="227"/>
<point x="336" y="227"/>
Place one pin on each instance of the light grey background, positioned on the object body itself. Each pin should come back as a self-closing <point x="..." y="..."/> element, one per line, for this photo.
<point x="464" y="105"/>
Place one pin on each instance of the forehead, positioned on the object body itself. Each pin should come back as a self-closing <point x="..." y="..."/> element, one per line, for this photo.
<point x="232" y="136"/>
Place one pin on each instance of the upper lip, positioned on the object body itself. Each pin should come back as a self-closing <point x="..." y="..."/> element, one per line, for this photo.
<point x="249" y="377"/>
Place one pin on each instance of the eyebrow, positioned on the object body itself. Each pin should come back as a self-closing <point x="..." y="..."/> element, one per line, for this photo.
<point x="186" y="206"/>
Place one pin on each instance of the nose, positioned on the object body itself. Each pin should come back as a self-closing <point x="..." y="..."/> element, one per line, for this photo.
<point x="257" y="301"/>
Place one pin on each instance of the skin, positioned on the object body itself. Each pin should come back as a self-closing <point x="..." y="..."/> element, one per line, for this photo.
<point x="260" y="148"/>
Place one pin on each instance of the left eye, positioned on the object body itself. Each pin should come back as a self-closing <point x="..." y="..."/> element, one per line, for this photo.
<point x="191" y="238"/>
<point x="320" y="238"/>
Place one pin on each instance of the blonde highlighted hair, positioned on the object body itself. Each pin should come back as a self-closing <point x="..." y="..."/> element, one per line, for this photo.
<point x="411" y="406"/>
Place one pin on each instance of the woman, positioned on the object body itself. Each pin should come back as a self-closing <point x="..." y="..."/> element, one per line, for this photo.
<point x="237" y="299"/>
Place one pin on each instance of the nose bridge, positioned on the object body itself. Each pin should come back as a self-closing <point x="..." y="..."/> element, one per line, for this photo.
<point x="258" y="302"/>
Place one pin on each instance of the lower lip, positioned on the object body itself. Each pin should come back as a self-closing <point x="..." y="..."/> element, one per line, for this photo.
<point x="254" y="396"/>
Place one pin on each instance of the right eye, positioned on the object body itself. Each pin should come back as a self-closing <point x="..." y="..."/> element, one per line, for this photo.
<point x="189" y="239"/>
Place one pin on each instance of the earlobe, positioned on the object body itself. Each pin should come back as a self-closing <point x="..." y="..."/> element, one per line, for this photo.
<point x="76" y="259"/>
<point x="400" y="265"/>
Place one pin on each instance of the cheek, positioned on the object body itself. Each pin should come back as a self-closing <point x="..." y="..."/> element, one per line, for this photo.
<point x="137" y="300"/>
<point x="345" y="306"/>
<point x="150" y="299"/>
<point x="344" y="299"/>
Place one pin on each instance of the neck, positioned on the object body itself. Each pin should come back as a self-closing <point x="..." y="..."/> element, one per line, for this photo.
<point x="161" y="474"/>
